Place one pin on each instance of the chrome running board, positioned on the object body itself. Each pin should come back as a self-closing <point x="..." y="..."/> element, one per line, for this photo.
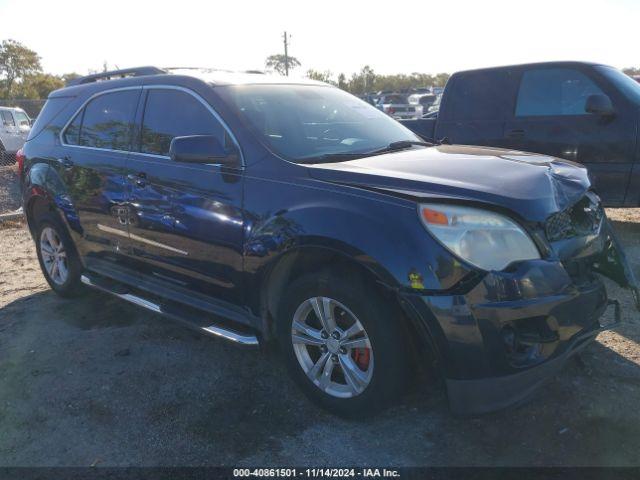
<point x="214" y="330"/>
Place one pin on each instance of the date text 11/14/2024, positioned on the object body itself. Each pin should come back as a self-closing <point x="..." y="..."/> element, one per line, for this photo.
<point x="316" y="473"/>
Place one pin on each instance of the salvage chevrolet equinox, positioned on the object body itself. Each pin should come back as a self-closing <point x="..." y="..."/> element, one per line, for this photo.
<point x="268" y="210"/>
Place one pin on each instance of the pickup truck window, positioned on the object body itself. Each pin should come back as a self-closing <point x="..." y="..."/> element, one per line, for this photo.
<point x="300" y="122"/>
<point x="553" y="92"/>
<point x="481" y="95"/>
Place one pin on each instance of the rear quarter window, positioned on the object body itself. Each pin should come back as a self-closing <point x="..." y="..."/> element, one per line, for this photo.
<point x="49" y="112"/>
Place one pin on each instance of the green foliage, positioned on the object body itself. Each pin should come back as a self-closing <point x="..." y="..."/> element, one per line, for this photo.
<point x="67" y="77"/>
<point x="325" y="76"/>
<point x="278" y="63"/>
<point x="366" y="80"/>
<point x="16" y="62"/>
<point x="37" y="85"/>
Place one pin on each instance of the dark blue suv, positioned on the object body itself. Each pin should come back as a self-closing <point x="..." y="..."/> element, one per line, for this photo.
<point x="261" y="209"/>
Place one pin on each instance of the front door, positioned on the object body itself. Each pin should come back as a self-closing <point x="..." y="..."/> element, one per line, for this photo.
<point x="23" y="123"/>
<point x="91" y="162"/>
<point x="186" y="221"/>
<point x="550" y="118"/>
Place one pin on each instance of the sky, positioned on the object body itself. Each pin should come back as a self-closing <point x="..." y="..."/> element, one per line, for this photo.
<point x="340" y="36"/>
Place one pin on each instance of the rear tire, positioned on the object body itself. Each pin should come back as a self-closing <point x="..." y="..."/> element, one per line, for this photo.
<point x="367" y="346"/>
<point x="58" y="257"/>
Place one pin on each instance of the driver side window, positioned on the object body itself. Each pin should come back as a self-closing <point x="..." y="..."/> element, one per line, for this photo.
<point x="554" y="92"/>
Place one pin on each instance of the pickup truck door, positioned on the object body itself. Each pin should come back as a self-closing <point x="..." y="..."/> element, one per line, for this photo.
<point x="550" y="118"/>
<point x="186" y="221"/>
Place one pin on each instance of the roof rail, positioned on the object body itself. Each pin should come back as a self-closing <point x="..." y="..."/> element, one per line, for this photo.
<point x="127" y="72"/>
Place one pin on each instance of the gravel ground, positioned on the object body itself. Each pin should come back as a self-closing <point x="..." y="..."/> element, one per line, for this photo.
<point x="98" y="382"/>
<point x="9" y="190"/>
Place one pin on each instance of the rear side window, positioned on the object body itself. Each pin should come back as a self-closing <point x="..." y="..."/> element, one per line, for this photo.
<point x="482" y="95"/>
<point x="174" y="113"/>
<point x="554" y="91"/>
<point x="7" y="119"/>
<point x="72" y="133"/>
<point x="48" y="113"/>
<point x="107" y="120"/>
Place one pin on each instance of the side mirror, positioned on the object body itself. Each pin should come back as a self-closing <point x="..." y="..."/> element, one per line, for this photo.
<point x="201" y="149"/>
<point x="599" y="105"/>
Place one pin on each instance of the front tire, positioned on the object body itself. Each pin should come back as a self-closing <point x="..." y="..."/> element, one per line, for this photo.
<point x="343" y="344"/>
<point x="58" y="258"/>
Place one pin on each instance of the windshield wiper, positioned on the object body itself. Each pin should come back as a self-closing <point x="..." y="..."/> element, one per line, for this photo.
<point x="401" y="145"/>
<point x="343" y="157"/>
<point x="334" y="157"/>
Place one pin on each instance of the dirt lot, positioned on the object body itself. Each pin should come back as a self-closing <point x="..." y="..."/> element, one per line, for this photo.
<point x="96" y="381"/>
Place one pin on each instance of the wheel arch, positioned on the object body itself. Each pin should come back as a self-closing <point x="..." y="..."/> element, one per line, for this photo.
<point x="37" y="205"/>
<point x="328" y="261"/>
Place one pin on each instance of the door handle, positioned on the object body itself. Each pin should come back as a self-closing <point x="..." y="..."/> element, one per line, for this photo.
<point x="139" y="179"/>
<point x="65" y="162"/>
<point x="515" y="133"/>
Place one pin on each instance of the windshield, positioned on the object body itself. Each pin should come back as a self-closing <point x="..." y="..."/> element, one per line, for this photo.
<point x="302" y="122"/>
<point x="629" y="87"/>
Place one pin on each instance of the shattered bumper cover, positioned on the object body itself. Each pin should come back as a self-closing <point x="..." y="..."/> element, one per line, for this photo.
<point x="516" y="328"/>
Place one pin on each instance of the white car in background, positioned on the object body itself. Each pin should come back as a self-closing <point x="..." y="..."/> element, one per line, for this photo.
<point x="423" y="100"/>
<point x="397" y="106"/>
<point x="15" y="126"/>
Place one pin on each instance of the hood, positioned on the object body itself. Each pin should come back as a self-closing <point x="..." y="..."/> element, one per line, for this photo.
<point x="534" y="186"/>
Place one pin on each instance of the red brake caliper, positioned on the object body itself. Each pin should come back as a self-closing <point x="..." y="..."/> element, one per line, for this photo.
<point x="361" y="356"/>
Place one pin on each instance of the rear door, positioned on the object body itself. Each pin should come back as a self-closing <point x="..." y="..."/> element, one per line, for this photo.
<point x="475" y="107"/>
<point x="91" y="163"/>
<point x="186" y="221"/>
<point x="550" y="118"/>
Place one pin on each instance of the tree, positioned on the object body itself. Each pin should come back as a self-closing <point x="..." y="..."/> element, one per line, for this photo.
<point x="38" y="85"/>
<point x="325" y="76"/>
<point x="631" y="71"/>
<point x="342" y="81"/>
<point x="67" y="77"/>
<point x="279" y="64"/>
<point x="17" y="61"/>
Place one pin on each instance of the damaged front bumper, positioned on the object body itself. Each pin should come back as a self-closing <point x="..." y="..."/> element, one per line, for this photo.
<point x="514" y="329"/>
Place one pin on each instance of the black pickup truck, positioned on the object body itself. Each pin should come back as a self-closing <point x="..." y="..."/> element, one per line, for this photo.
<point x="585" y="112"/>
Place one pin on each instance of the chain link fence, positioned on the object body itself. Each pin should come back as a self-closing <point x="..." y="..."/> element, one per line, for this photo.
<point x="6" y="159"/>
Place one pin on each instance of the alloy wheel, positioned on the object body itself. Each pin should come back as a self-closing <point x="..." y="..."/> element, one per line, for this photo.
<point x="332" y="347"/>
<point x="54" y="256"/>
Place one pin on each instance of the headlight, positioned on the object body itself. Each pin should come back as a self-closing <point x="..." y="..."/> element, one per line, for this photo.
<point x="485" y="239"/>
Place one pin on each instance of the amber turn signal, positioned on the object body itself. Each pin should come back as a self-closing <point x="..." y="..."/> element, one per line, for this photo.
<point x="434" y="217"/>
